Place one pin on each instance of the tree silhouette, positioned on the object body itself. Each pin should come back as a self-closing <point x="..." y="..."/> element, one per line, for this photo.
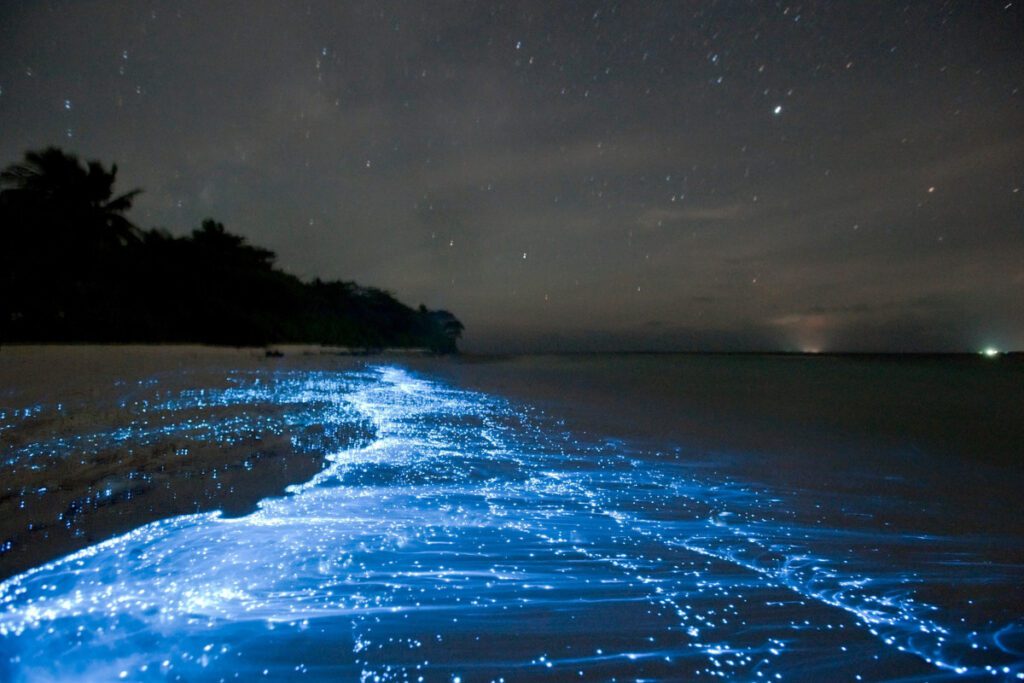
<point x="76" y="200"/>
<point x="75" y="268"/>
<point x="215" y="242"/>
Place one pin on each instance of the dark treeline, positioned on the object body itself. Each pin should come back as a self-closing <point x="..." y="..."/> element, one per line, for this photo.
<point x="75" y="269"/>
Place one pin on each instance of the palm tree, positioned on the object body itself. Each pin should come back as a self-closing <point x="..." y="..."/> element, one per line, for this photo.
<point x="53" y="191"/>
<point x="64" y="248"/>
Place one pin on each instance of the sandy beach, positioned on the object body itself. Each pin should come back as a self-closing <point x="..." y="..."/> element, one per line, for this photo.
<point x="109" y="438"/>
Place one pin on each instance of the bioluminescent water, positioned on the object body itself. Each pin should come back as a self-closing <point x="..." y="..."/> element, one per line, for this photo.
<point x="469" y="538"/>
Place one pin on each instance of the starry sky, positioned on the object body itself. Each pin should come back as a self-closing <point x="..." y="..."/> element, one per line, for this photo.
<point x="573" y="176"/>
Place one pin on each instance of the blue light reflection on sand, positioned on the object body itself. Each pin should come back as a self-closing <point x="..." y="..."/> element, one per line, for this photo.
<point x="157" y="414"/>
<point x="473" y="539"/>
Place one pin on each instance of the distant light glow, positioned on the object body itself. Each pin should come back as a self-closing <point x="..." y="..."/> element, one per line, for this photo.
<point x="990" y="352"/>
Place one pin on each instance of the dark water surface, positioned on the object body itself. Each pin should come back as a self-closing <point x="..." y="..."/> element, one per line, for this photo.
<point x="583" y="518"/>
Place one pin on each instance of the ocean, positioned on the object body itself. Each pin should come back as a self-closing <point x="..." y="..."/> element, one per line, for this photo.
<point x="203" y="515"/>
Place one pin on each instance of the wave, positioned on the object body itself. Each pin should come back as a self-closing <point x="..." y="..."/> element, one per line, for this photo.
<point x="472" y="538"/>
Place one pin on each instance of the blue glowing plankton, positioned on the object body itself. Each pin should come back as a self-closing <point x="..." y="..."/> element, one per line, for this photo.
<point x="473" y="539"/>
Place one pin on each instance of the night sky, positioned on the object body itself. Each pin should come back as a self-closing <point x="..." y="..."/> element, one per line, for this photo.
<point x="843" y="176"/>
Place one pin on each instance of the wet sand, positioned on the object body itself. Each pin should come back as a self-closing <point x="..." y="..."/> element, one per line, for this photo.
<point x="97" y="441"/>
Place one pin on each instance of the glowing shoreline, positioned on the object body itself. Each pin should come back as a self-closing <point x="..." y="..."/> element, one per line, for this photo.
<point x="466" y="510"/>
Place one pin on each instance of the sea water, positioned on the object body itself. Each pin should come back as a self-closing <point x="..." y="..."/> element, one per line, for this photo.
<point x="472" y="537"/>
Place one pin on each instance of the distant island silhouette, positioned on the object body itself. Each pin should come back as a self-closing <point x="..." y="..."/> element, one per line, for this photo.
<point x="75" y="269"/>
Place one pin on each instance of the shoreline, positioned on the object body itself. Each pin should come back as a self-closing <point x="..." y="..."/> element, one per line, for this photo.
<point x="113" y="441"/>
<point x="713" y="406"/>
